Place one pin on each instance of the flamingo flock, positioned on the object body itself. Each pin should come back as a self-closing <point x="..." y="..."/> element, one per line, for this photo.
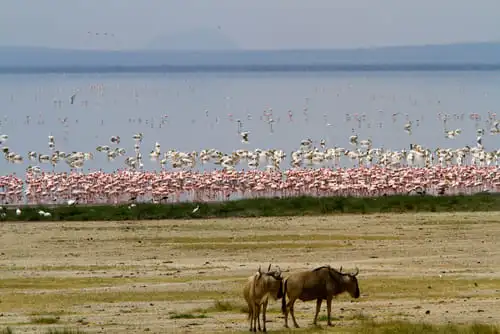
<point x="314" y="171"/>
<point x="125" y="186"/>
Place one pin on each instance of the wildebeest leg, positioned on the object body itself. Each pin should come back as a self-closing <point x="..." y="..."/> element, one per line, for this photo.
<point x="318" y="308"/>
<point x="285" y="314"/>
<point x="288" y="310"/>
<point x="258" y="316"/>
<point x="329" y="310"/>
<point x="292" y="313"/>
<point x="264" y="307"/>
<point x="253" y="326"/>
<point x="250" y="311"/>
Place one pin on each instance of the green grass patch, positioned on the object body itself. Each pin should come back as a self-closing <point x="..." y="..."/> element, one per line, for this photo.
<point x="7" y="330"/>
<point x="55" y="313"/>
<point x="425" y="288"/>
<point x="372" y="288"/>
<point x="234" y="246"/>
<point x="225" y="306"/>
<point x="311" y="330"/>
<point x="29" y="302"/>
<point x="397" y="327"/>
<point x="45" y="320"/>
<point x="56" y="283"/>
<point x="264" y="207"/>
<point x="64" y="331"/>
<point x="188" y="316"/>
<point x="401" y="327"/>
<point x="222" y="306"/>
<point x="89" y="267"/>
<point x="356" y="316"/>
<point x="93" y="268"/>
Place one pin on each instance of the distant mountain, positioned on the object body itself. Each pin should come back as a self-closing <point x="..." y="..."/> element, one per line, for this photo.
<point x="453" y="54"/>
<point x="197" y="39"/>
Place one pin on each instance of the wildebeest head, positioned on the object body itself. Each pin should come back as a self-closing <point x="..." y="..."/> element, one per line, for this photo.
<point x="276" y="273"/>
<point x="274" y="277"/>
<point x="351" y="283"/>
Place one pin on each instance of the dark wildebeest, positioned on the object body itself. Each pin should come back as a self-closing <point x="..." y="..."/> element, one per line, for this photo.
<point x="318" y="284"/>
<point x="257" y="290"/>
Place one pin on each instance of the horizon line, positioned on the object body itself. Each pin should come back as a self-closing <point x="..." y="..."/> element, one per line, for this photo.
<point x="402" y="67"/>
<point x="358" y="48"/>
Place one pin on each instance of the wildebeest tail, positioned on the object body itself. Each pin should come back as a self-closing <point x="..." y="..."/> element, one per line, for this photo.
<point x="280" y="290"/>
<point x="283" y="298"/>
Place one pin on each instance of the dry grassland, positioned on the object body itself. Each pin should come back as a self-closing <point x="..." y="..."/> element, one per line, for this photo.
<point x="187" y="276"/>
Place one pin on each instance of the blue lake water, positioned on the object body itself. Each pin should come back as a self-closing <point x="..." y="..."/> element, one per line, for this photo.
<point x="189" y="112"/>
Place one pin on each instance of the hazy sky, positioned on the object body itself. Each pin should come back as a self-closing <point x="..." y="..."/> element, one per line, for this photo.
<point x="253" y="24"/>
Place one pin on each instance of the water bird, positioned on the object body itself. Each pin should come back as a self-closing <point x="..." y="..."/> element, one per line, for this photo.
<point x="115" y="139"/>
<point x="244" y="137"/>
<point x="407" y="127"/>
<point x="72" y="98"/>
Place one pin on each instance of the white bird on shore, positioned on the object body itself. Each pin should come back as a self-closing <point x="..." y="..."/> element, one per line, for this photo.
<point x="196" y="209"/>
<point x="18" y="212"/>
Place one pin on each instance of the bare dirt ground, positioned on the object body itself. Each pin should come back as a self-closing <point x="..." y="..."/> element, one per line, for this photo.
<point x="167" y="276"/>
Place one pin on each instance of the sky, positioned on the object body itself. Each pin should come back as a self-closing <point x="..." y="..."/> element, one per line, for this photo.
<point x="255" y="24"/>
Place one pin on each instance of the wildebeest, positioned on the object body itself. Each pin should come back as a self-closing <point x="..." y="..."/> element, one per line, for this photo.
<point x="319" y="284"/>
<point x="257" y="290"/>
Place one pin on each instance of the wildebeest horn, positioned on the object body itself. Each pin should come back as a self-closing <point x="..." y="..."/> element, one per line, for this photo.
<point x="340" y="270"/>
<point x="357" y="272"/>
<point x="259" y="270"/>
<point x="268" y="269"/>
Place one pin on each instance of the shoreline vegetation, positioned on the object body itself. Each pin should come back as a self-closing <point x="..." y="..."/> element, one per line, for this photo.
<point x="257" y="207"/>
<point x="365" y="326"/>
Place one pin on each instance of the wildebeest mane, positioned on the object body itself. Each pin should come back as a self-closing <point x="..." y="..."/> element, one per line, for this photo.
<point x="322" y="267"/>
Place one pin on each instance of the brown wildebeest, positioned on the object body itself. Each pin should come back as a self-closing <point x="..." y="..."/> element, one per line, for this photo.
<point x="318" y="284"/>
<point x="257" y="290"/>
